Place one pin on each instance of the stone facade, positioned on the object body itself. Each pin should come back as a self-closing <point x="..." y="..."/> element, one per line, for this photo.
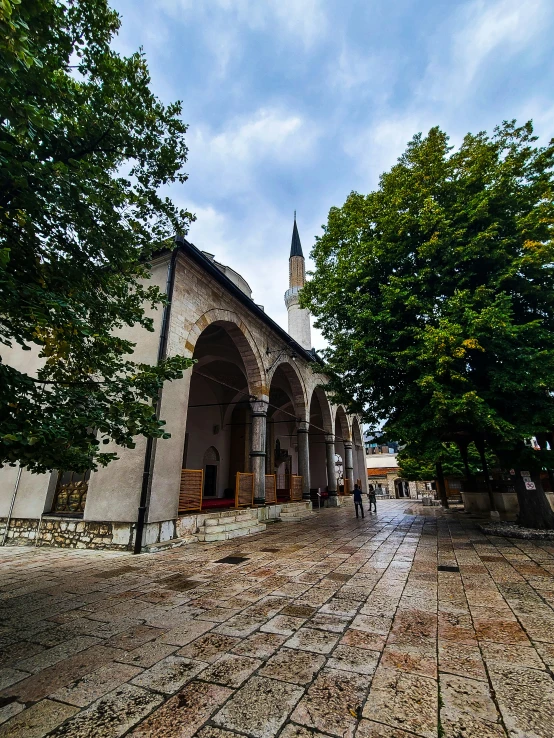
<point x="245" y="363"/>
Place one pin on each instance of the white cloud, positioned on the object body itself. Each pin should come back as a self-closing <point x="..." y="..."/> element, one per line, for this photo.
<point x="227" y="160"/>
<point x="482" y="32"/>
<point x="460" y="54"/>
<point x="541" y="112"/>
<point x="375" y="149"/>
<point x="257" y="248"/>
<point x="350" y="70"/>
<point x="304" y="22"/>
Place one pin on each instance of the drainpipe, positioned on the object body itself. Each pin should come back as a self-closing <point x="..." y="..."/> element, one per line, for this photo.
<point x="150" y="453"/>
<point x="16" y="486"/>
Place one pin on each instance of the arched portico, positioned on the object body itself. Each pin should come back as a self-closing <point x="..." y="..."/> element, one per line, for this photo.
<point x="227" y="405"/>
<point x="343" y="450"/>
<point x="321" y="444"/>
<point x="287" y="429"/>
<point x="242" y="340"/>
<point x="286" y="374"/>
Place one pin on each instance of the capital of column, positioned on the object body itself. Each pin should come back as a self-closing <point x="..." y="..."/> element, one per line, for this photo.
<point x="259" y="408"/>
<point x="348" y="444"/>
<point x="329" y="438"/>
<point x="303" y="426"/>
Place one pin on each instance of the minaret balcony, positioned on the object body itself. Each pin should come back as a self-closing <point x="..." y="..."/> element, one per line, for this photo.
<point x="292" y="296"/>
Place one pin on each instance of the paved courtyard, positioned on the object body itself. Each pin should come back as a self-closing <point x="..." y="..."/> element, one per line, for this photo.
<point x="335" y="626"/>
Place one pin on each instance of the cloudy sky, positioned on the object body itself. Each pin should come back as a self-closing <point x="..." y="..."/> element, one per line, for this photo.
<point x="294" y="103"/>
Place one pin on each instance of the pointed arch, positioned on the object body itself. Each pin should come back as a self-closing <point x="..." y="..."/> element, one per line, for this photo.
<point x="243" y="340"/>
<point x="341" y="422"/>
<point x="296" y="384"/>
<point x="319" y="398"/>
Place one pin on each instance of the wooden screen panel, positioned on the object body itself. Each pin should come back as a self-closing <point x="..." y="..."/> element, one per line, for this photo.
<point x="296" y="488"/>
<point x="347" y="485"/>
<point x="190" y="494"/>
<point x="270" y="489"/>
<point x="244" y="490"/>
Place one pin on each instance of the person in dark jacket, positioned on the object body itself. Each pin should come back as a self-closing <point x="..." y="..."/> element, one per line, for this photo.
<point x="358" y="500"/>
<point x="372" y="498"/>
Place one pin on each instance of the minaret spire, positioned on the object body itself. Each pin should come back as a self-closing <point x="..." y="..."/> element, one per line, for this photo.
<point x="299" y="318"/>
<point x="295" y="245"/>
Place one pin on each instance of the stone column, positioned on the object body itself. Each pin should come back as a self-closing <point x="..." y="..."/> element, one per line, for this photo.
<point x="331" y="472"/>
<point x="349" y="463"/>
<point x="257" y="449"/>
<point x="304" y="458"/>
<point x="362" y="467"/>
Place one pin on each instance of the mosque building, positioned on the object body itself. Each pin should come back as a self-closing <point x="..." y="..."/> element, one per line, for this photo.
<point x="254" y="436"/>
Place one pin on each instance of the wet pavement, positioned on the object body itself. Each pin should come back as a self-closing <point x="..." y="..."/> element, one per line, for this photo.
<point x="333" y="626"/>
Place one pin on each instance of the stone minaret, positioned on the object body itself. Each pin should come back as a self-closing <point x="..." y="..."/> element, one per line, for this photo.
<point x="299" y="319"/>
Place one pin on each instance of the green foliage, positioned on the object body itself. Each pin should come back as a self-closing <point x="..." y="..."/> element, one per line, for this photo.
<point x="436" y="292"/>
<point x="85" y="149"/>
<point x="419" y="464"/>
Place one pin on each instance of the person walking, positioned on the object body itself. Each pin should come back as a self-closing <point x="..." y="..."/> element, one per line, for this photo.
<point x="358" y="500"/>
<point x="372" y="499"/>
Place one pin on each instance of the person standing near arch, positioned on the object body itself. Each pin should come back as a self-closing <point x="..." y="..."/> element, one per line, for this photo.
<point x="358" y="502"/>
<point x="372" y="499"/>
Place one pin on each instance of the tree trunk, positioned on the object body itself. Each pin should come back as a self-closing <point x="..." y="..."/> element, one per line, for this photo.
<point x="463" y="446"/>
<point x="440" y="484"/>
<point x="545" y="439"/>
<point x="480" y="445"/>
<point x="534" y="507"/>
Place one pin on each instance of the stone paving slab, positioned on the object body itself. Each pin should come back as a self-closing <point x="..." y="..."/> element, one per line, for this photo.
<point x="260" y="708"/>
<point x="339" y="628"/>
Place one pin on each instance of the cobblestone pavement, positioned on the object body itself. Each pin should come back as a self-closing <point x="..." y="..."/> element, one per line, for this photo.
<point x="334" y="626"/>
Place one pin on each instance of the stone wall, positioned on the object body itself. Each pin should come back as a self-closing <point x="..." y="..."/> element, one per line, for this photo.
<point x="68" y="533"/>
<point x="71" y="533"/>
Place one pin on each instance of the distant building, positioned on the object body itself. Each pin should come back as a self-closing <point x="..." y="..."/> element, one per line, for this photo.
<point x="383" y="472"/>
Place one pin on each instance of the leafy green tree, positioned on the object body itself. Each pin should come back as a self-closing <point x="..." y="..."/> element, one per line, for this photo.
<point x="85" y="150"/>
<point x="436" y="295"/>
<point x="422" y="462"/>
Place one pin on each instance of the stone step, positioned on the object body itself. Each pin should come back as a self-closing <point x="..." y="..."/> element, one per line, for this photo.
<point x="292" y="517"/>
<point x="172" y="543"/>
<point x="238" y="516"/>
<point x="222" y="527"/>
<point x="225" y="535"/>
<point x="228" y="513"/>
<point x="291" y="506"/>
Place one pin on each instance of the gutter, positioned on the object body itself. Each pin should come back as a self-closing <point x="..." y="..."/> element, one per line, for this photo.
<point x="150" y="453"/>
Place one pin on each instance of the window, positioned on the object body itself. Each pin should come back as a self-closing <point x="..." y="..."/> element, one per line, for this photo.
<point x="71" y="493"/>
